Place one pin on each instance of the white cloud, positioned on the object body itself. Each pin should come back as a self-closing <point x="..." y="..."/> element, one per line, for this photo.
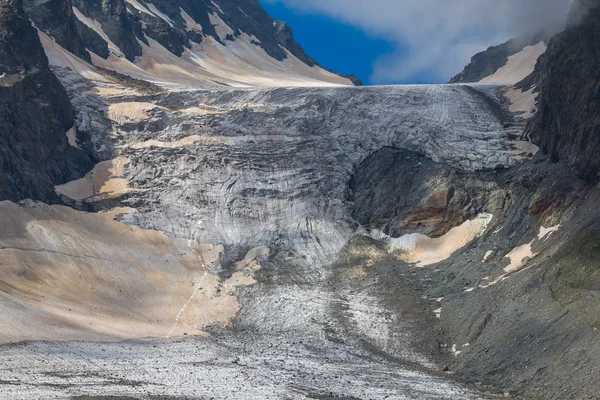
<point x="435" y="37"/>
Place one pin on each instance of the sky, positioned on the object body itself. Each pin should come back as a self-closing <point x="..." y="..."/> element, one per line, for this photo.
<point x="409" y="41"/>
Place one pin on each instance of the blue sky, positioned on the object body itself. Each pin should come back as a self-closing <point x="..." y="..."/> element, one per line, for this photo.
<point x="409" y="41"/>
<point x="334" y="44"/>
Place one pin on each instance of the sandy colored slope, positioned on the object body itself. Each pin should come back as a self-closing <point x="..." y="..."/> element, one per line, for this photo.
<point x="69" y="275"/>
<point x="59" y="57"/>
<point x="521" y="102"/>
<point x="238" y="63"/>
<point x="518" y="67"/>
<point x="245" y="62"/>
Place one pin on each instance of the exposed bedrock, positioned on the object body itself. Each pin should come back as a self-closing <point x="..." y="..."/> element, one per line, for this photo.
<point x="567" y="123"/>
<point x="518" y="305"/>
<point x="35" y="153"/>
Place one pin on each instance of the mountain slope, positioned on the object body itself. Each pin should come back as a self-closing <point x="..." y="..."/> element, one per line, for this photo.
<point x="567" y="125"/>
<point x="485" y="65"/>
<point x="183" y="44"/>
<point x="285" y="242"/>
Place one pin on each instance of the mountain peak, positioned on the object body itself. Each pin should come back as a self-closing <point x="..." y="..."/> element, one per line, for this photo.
<point x="204" y="43"/>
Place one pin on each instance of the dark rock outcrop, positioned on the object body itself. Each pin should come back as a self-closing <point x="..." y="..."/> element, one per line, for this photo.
<point x="55" y="17"/>
<point x="36" y="114"/>
<point x="116" y="22"/>
<point x="567" y="125"/>
<point x="433" y="210"/>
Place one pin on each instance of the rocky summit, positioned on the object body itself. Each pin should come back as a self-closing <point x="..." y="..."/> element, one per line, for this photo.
<point x="192" y="207"/>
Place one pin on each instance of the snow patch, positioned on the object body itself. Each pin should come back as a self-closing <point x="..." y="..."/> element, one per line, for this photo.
<point x="210" y="64"/>
<point x="487" y="255"/>
<point x="217" y="6"/>
<point x="519" y="256"/>
<point x="455" y="350"/>
<point x="105" y="280"/>
<point x="186" y="141"/>
<point x="522" y="102"/>
<point x="221" y="27"/>
<point x="242" y="63"/>
<point x="160" y="14"/>
<point x="422" y="250"/>
<point x="138" y="6"/>
<point x="190" y="23"/>
<point x="243" y="12"/>
<point x="72" y="137"/>
<point x="545" y="233"/>
<point x="59" y="57"/>
<point x="105" y="181"/>
<point x="518" y="66"/>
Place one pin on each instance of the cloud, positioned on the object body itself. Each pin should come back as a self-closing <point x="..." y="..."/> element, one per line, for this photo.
<point x="436" y="38"/>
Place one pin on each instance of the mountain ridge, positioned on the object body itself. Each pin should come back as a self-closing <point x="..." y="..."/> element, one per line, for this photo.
<point x="117" y="28"/>
<point x="488" y="62"/>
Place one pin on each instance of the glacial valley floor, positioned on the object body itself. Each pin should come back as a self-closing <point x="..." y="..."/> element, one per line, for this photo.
<point x="231" y="366"/>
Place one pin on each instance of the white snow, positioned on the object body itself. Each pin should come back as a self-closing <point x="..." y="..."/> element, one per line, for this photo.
<point x="72" y="137"/>
<point x="520" y="255"/>
<point x="545" y="233"/>
<point x="209" y="65"/>
<point x="487" y="255"/>
<point x="104" y="181"/>
<point x="137" y="5"/>
<point x="243" y="12"/>
<point x="423" y="251"/>
<point x="455" y="350"/>
<point x="217" y="6"/>
<point x="243" y="62"/>
<point x="518" y="67"/>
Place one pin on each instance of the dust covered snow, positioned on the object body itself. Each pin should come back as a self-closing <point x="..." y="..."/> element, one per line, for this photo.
<point x="518" y="67"/>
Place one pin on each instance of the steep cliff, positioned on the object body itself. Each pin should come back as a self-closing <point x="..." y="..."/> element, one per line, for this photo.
<point x="35" y="152"/>
<point x="567" y="125"/>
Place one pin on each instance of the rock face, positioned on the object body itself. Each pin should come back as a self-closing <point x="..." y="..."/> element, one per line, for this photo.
<point x="35" y="153"/>
<point x="96" y="30"/>
<point x="488" y="62"/>
<point x="567" y="125"/>
<point x="434" y="197"/>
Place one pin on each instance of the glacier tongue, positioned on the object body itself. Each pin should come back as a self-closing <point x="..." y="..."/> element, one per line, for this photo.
<point x="254" y="166"/>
